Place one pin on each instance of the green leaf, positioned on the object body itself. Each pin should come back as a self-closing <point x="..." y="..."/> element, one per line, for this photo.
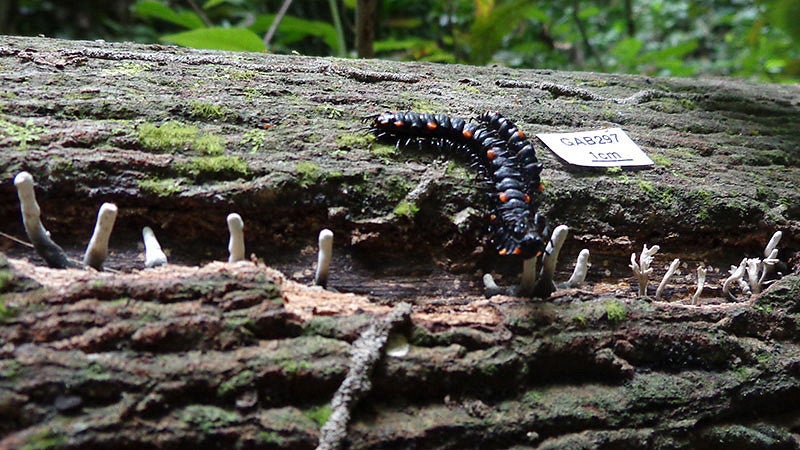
<point x="588" y="13"/>
<point x="217" y="38"/>
<point x="292" y="29"/>
<point x="627" y="51"/>
<point x="156" y="10"/>
<point x="212" y="3"/>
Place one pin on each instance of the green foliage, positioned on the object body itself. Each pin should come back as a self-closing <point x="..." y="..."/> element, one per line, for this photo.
<point x="217" y="38"/>
<point x="753" y="39"/>
<point x="240" y="25"/>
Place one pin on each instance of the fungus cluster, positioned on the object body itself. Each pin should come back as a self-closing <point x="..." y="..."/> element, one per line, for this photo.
<point x="750" y="277"/>
<point x="542" y="283"/>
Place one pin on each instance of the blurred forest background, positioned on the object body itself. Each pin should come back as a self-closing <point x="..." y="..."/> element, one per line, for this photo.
<point x="754" y="39"/>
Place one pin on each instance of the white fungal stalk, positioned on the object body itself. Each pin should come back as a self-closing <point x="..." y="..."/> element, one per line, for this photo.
<point x="236" y="242"/>
<point x="528" y="280"/>
<point x="581" y="269"/>
<point x="737" y="273"/>
<point x="768" y="267"/>
<point x="153" y="255"/>
<point x="701" y="282"/>
<point x="642" y="269"/>
<point x="324" y="257"/>
<point x="753" y="268"/>
<point x="52" y="254"/>
<point x="772" y="244"/>
<point x="546" y="285"/>
<point x="670" y="272"/>
<point x="97" y="250"/>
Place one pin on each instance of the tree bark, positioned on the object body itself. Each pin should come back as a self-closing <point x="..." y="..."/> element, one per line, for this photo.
<point x="208" y="354"/>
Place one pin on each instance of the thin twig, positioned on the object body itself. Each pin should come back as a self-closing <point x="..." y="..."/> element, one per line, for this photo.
<point x="337" y="24"/>
<point x="17" y="240"/>
<point x="584" y="37"/>
<point x="277" y="21"/>
<point x="202" y="14"/>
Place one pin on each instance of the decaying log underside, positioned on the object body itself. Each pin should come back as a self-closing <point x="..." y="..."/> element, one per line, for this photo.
<point x="239" y="355"/>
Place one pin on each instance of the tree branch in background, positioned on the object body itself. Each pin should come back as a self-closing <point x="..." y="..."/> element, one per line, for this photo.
<point x="274" y="27"/>
<point x="365" y="27"/>
<point x="199" y="11"/>
<point x="584" y="37"/>
<point x="630" y="24"/>
<point x="337" y="23"/>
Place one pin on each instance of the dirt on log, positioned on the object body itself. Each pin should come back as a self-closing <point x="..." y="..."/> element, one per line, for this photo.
<point x="205" y="354"/>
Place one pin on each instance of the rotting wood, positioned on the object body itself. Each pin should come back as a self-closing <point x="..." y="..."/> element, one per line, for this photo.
<point x="240" y="356"/>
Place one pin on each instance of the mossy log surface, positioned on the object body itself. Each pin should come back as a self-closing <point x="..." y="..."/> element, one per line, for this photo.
<point x="203" y="354"/>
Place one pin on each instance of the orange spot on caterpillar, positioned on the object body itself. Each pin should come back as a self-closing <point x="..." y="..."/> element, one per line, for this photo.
<point x="432" y="125"/>
<point x="517" y="251"/>
<point x="467" y="134"/>
<point x="527" y="198"/>
<point x="541" y="187"/>
<point x="398" y="123"/>
<point x="520" y="134"/>
<point x="491" y="154"/>
<point x="503" y="197"/>
<point x="503" y="252"/>
<point x="492" y="218"/>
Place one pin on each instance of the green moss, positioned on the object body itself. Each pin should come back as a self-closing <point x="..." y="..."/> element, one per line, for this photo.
<point x="532" y="398"/>
<point x="209" y="111"/>
<point x="661" y="160"/>
<point x="667" y="196"/>
<point x="319" y="414"/>
<point x="255" y="139"/>
<point x="645" y="186"/>
<point x="292" y="366"/>
<point x="208" y="418"/>
<point x="166" y="187"/>
<point x="615" y="311"/>
<point x="174" y="136"/>
<point x="271" y="438"/>
<point x="236" y="383"/>
<point x="383" y="152"/>
<point x="214" y="167"/>
<point x="44" y="440"/>
<point x="354" y="140"/>
<point x="208" y="144"/>
<point x="331" y="112"/>
<point x="6" y="313"/>
<point x="94" y="371"/>
<point x="406" y="209"/>
<point x="240" y="75"/>
<point x="9" y="369"/>
<point x="127" y="68"/>
<point x="308" y="173"/>
<point x="614" y="171"/>
<point x="424" y="106"/>
<point x="22" y="135"/>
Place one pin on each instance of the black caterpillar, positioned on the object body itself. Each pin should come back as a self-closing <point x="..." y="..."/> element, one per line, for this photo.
<point x="504" y="157"/>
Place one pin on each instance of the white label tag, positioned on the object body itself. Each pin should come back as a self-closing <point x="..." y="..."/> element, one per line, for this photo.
<point x="608" y="147"/>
